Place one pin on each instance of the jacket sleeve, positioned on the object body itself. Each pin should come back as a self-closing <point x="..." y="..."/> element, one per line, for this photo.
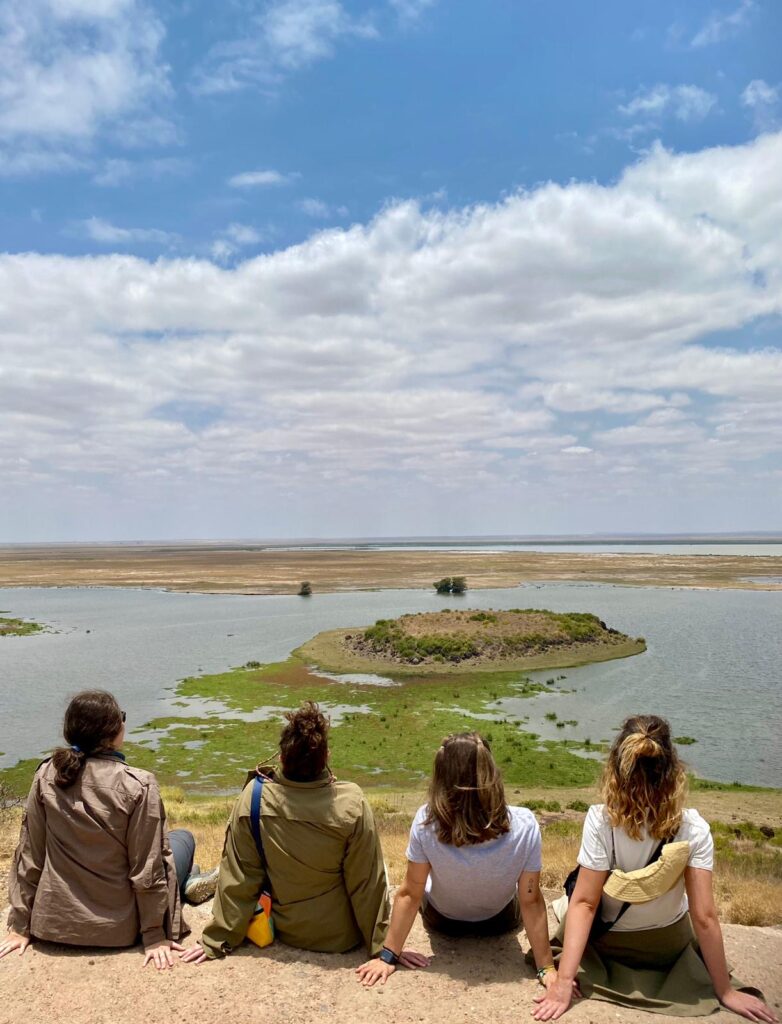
<point x="242" y="876"/>
<point x="146" y="866"/>
<point x="27" y="864"/>
<point x="365" y="881"/>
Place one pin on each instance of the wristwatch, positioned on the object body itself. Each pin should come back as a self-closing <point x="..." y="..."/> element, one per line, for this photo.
<point x="388" y="956"/>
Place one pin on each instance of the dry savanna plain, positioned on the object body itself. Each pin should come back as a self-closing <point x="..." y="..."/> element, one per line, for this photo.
<point x="439" y="688"/>
<point x="258" y="569"/>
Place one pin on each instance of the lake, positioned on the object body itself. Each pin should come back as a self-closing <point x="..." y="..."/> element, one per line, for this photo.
<point x="712" y="665"/>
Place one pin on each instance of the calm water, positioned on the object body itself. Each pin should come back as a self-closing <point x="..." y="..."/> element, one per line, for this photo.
<point x="713" y="664"/>
<point x="598" y="547"/>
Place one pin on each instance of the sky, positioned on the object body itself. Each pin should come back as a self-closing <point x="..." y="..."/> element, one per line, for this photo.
<point x="338" y="268"/>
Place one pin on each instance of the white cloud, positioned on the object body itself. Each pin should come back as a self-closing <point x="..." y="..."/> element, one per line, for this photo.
<point x="763" y="101"/>
<point x="686" y="103"/>
<point x="475" y="351"/>
<point x="243" y="234"/>
<point x="285" y="37"/>
<point x="114" y="172"/>
<point x="409" y="11"/>
<point x="719" y="27"/>
<point x="232" y="239"/>
<point x="103" y="231"/>
<point x="72" y="69"/>
<point x="319" y="210"/>
<point x="260" y="179"/>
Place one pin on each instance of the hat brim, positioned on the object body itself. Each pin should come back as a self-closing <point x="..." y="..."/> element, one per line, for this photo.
<point x="655" y="880"/>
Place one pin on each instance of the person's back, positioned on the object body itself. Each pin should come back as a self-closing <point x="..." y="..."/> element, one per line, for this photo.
<point x="97" y="835"/>
<point x="451" y="887"/>
<point x="321" y="856"/>
<point x="95" y="865"/>
<point x="604" y="847"/>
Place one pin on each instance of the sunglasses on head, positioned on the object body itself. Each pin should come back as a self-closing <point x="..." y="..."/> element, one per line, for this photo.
<point x="124" y="716"/>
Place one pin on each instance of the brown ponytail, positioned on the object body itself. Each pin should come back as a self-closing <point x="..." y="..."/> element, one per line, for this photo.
<point x="92" y="720"/>
<point x="304" y="747"/>
<point x="644" y="782"/>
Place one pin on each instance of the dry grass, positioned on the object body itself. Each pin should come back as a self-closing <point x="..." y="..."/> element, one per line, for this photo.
<point x="747" y="876"/>
<point x="259" y="569"/>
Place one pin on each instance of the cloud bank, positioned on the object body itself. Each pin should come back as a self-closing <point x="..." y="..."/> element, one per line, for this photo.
<point x="551" y="361"/>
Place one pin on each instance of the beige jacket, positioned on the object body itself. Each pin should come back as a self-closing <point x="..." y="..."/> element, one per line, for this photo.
<point x="93" y="866"/>
<point x="322" y="861"/>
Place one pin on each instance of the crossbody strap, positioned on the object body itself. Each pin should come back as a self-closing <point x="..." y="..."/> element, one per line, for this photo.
<point x="255" y="815"/>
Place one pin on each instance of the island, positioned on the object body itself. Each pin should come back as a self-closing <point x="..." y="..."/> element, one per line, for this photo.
<point x="18" y="627"/>
<point x="462" y="641"/>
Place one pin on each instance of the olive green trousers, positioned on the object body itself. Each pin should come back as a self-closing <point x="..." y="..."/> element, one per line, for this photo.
<point x="659" y="970"/>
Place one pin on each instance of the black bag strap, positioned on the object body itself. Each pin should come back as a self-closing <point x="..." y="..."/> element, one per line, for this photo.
<point x="255" y="815"/>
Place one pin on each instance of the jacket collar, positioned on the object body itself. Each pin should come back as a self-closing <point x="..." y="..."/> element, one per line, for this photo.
<point x="324" y="779"/>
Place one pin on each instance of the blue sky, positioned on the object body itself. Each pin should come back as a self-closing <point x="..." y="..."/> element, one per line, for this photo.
<point x="311" y="267"/>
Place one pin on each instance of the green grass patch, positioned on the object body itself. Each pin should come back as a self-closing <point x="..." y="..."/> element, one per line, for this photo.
<point x="390" y="742"/>
<point x="19" y="627"/>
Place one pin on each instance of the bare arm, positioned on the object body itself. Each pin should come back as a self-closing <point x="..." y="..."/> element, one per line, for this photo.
<point x="700" y="895"/>
<point x="581" y="912"/>
<point x="406" y="903"/>
<point x="533" y="914"/>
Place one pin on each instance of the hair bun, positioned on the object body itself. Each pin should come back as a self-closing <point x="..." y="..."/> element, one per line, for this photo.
<point x="637" y="745"/>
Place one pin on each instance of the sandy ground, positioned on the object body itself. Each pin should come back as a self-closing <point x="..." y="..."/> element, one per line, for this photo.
<point x="468" y="980"/>
<point x="252" y="569"/>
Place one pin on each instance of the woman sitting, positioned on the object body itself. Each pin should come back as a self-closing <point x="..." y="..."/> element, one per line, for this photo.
<point x="95" y="865"/>
<point x="638" y="949"/>
<point x="473" y="862"/>
<point x="319" y="855"/>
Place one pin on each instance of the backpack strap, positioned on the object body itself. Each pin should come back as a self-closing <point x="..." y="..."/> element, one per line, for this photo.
<point x="255" y="815"/>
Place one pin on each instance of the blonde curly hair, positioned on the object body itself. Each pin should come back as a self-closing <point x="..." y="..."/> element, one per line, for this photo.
<point x="644" y="783"/>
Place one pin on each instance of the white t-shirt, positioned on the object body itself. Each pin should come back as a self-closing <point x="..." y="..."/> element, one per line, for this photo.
<point x="473" y="883"/>
<point x="632" y="854"/>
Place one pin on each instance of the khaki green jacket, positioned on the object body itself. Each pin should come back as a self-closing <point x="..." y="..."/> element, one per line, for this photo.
<point x="323" y="865"/>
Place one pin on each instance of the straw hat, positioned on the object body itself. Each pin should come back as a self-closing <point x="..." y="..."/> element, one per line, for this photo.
<point x="648" y="883"/>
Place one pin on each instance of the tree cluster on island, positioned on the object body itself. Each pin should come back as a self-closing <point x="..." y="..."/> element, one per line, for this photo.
<point x="451" y="585"/>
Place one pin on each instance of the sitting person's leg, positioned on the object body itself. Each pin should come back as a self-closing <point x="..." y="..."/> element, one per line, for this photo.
<point x="182" y="845"/>
<point x="194" y="886"/>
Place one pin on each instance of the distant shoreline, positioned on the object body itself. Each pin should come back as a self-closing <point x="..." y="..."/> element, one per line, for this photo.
<point x="262" y="570"/>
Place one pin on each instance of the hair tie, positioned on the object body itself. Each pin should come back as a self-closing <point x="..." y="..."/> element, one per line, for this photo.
<point x="76" y="749"/>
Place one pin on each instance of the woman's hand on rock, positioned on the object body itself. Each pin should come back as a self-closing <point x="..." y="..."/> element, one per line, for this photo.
<point x="555" y="1000"/>
<point x="409" y="958"/>
<point x="159" y="953"/>
<point x="14" y="941"/>
<point x="194" y="955"/>
<point x="373" y="971"/>
<point x="749" y="1006"/>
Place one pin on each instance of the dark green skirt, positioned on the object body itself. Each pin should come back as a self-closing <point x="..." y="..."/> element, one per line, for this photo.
<point x="659" y="970"/>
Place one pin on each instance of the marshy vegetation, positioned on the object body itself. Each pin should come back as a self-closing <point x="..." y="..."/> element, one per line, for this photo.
<point x="19" y="627"/>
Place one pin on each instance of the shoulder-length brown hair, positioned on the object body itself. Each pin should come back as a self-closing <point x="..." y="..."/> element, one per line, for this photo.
<point x="466" y="794"/>
<point x="644" y="783"/>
